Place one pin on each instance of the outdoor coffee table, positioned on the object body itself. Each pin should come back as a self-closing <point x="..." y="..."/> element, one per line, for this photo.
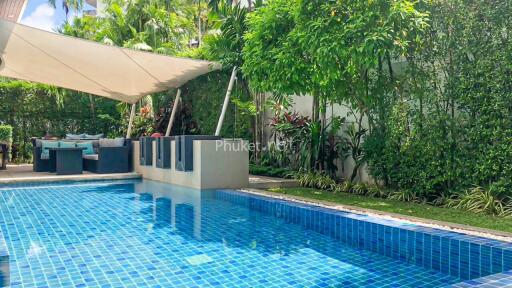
<point x="66" y="161"/>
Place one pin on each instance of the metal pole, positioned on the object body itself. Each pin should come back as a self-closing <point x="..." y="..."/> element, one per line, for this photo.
<point x="173" y="113"/>
<point x="226" y="102"/>
<point x="130" y="123"/>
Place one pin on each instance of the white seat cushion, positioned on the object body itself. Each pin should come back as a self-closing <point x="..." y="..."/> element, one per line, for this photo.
<point x="91" y="157"/>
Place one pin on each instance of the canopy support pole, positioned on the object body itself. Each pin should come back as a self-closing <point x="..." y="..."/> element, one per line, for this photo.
<point x="226" y="102"/>
<point x="130" y="123"/>
<point x="173" y="113"/>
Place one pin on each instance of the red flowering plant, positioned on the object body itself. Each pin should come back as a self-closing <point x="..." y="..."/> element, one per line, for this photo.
<point x="290" y="125"/>
<point x="291" y="133"/>
<point x="143" y="122"/>
<point x="145" y="111"/>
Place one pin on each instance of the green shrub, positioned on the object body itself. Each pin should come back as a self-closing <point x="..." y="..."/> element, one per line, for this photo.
<point x="445" y="134"/>
<point x="269" y="171"/>
<point x="404" y="195"/>
<point x="5" y="134"/>
<point x="376" y="191"/>
<point x="481" y="200"/>
<point x="324" y="182"/>
<point x="316" y="180"/>
<point x="338" y="188"/>
<point x="359" y="189"/>
<point x="346" y="187"/>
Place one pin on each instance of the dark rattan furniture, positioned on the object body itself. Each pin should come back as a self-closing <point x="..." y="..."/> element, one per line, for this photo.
<point x="184" y="152"/>
<point x="163" y="152"/>
<point x="146" y="151"/>
<point x="66" y="161"/>
<point x="111" y="159"/>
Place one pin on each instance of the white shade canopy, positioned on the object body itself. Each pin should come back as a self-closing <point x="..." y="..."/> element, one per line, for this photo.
<point x="118" y="73"/>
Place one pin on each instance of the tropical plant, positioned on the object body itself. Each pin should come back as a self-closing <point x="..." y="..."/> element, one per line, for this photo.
<point x="35" y="110"/>
<point x="404" y="195"/>
<point x="283" y="54"/>
<point x="359" y="189"/>
<point x="160" y="26"/>
<point x="324" y="182"/>
<point x="68" y="5"/>
<point x="354" y="139"/>
<point x="269" y="171"/>
<point x="480" y="200"/>
<point x="376" y="191"/>
<point x="5" y="134"/>
<point x="227" y="45"/>
<point x="346" y="187"/>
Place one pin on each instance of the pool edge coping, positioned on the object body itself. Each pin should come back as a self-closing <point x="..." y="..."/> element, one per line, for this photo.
<point x="436" y="224"/>
<point x="74" y="178"/>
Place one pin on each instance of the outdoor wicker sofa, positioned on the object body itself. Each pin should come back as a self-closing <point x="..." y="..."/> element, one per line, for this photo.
<point x="107" y="155"/>
<point x="110" y="159"/>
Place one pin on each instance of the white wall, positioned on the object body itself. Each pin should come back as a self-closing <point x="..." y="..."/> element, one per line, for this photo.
<point x="214" y="166"/>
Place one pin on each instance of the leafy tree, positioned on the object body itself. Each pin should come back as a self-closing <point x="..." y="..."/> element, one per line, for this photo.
<point x="68" y="5"/>
<point x="157" y="26"/>
<point x="332" y="50"/>
<point x="35" y="110"/>
<point x="450" y="128"/>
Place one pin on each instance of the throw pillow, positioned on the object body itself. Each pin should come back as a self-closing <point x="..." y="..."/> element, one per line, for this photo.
<point x="93" y="137"/>
<point x="117" y="142"/>
<point x="89" y="149"/>
<point x="67" y="144"/>
<point x="75" y="136"/>
<point x="45" y="145"/>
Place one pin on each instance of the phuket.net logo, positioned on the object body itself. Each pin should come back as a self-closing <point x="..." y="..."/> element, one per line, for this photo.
<point x="238" y="145"/>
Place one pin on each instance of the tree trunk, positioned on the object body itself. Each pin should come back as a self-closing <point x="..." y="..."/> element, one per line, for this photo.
<point x="199" y="33"/>
<point x="315" y="109"/>
<point x="93" y="108"/>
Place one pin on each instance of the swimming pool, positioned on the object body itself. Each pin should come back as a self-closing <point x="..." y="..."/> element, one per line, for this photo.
<point x="150" y="234"/>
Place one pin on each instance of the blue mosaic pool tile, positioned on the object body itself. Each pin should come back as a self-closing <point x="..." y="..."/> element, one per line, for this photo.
<point x="4" y="262"/>
<point x="436" y="253"/>
<point x="475" y="258"/>
<point x="485" y="264"/>
<point x="138" y="238"/>
<point x="459" y="255"/>
<point x="507" y="260"/>
<point x="497" y="260"/>
<point x="464" y="260"/>
<point x="501" y="280"/>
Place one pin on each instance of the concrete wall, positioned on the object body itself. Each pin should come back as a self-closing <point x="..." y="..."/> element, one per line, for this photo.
<point x="217" y="164"/>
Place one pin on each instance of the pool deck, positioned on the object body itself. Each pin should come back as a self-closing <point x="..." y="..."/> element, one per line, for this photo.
<point x="23" y="173"/>
<point x="264" y="182"/>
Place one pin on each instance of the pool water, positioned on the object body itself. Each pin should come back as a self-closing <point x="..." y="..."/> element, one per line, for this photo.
<point x="149" y="234"/>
